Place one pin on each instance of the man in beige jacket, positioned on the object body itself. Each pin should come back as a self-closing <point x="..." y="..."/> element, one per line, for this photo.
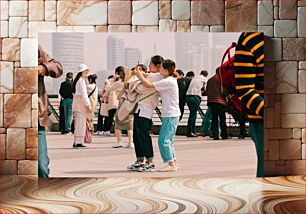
<point x="47" y="66"/>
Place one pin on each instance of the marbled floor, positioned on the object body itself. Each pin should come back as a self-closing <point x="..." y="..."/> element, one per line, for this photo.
<point x="21" y="194"/>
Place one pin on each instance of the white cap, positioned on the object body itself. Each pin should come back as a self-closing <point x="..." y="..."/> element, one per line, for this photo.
<point x="82" y="68"/>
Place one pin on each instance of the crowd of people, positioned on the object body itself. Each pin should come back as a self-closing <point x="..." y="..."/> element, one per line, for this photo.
<point x="129" y="97"/>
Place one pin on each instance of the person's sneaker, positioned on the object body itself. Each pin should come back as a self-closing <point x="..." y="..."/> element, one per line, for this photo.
<point x="192" y="135"/>
<point x="101" y="133"/>
<point x="68" y="133"/>
<point x="117" y="145"/>
<point x="168" y="168"/>
<point x="78" y="146"/>
<point x="135" y="166"/>
<point x="108" y="134"/>
<point x="129" y="146"/>
<point x="147" y="167"/>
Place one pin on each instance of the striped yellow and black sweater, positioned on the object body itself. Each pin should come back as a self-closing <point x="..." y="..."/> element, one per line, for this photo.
<point x="249" y="73"/>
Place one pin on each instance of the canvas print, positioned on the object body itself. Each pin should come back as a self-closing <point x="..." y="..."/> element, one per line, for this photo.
<point x="151" y="104"/>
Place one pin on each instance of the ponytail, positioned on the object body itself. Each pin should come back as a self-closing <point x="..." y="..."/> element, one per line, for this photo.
<point x="78" y="76"/>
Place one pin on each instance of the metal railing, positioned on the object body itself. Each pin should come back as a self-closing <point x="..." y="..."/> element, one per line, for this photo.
<point x="54" y="107"/>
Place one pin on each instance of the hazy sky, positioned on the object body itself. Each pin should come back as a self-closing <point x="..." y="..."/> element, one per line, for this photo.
<point x="95" y="55"/>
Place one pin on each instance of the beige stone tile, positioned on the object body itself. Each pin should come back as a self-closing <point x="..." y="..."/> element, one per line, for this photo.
<point x="147" y="28"/>
<point x="31" y="138"/>
<point x="290" y="149"/>
<point x="18" y="8"/>
<point x="83" y="29"/>
<point x="26" y="80"/>
<point x="239" y="15"/>
<point x="295" y="167"/>
<point x="303" y="151"/>
<point x="50" y="10"/>
<point x="301" y="81"/>
<point x="293" y="49"/>
<point x="275" y="13"/>
<point x="265" y="12"/>
<point x="18" y="27"/>
<point x="35" y="118"/>
<point x="301" y="21"/>
<point x="119" y="28"/>
<point x="17" y="110"/>
<point x="304" y="135"/>
<point x="286" y="77"/>
<point x="287" y="9"/>
<point x="34" y="101"/>
<point x="82" y="12"/>
<point x="1" y="110"/>
<point x="164" y="9"/>
<point x="293" y="120"/>
<point x="273" y="49"/>
<point x="167" y="25"/>
<point x="207" y="12"/>
<point x="101" y="28"/>
<point x="11" y="49"/>
<point x="41" y="27"/>
<point x="29" y="53"/>
<point x="297" y="133"/>
<point x="4" y="29"/>
<point x="293" y="103"/>
<point x="31" y="154"/>
<point x="2" y="146"/>
<point x="4" y="6"/>
<point x="36" y="10"/>
<point x="27" y="167"/>
<point x="119" y="12"/>
<point x="269" y="168"/>
<point x="285" y="28"/>
<point x="277" y="134"/>
<point x="15" y="144"/>
<point x="270" y="77"/>
<point x="267" y="30"/>
<point x="6" y="77"/>
<point x="8" y="167"/>
<point x="199" y="28"/>
<point x="216" y="28"/>
<point x="181" y="10"/>
<point x="273" y="149"/>
<point x="145" y="13"/>
<point x="183" y="26"/>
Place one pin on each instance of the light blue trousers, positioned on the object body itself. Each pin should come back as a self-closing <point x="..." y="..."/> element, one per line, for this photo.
<point x="166" y="138"/>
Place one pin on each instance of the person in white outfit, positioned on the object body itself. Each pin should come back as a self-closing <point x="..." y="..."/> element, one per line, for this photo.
<point x="81" y="106"/>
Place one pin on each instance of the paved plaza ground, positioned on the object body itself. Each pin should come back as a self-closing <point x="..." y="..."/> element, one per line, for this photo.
<point x="200" y="157"/>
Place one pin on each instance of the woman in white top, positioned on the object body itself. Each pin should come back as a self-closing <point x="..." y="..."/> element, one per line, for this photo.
<point x="168" y="90"/>
<point x="81" y="106"/>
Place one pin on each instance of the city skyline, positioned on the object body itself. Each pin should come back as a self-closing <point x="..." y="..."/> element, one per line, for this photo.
<point x="102" y="52"/>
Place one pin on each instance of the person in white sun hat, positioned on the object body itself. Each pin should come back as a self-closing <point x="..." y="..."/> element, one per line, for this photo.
<point x="81" y="107"/>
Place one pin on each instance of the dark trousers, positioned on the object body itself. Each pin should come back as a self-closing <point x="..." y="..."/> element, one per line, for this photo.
<point x="61" y="118"/>
<point x="101" y="122"/>
<point x="142" y="139"/>
<point x="193" y="103"/>
<point x="109" y="120"/>
<point x="182" y="107"/>
<point x="256" y="130"/>
<point x="218" y="112"/>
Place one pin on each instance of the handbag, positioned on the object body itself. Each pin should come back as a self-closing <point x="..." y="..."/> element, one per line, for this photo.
<point x="89" y="131"/>
<point x="104" y="109"/>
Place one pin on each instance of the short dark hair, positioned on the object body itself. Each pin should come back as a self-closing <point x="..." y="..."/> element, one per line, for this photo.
<point x="156" y="60"/>
<point x="204" y="73"/>
<point x="169" y="65"/>
<point x="180" y="72"/>
<point x="120" y="71"/>
<point x="92" y="78"/>
<point x="190" y="74"/>
<point x="69" y="75"/>
<point x="143" y="67"/>
<point x="110" y="77"/>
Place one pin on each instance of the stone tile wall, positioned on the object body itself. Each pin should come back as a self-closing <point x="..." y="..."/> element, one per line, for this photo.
<point x="282" y="20"/>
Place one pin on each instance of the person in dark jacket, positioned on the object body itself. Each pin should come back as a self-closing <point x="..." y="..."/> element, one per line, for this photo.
<point x="217" y="103"/>
<point x="183" y="84"/>
<point x="66" y="103"/>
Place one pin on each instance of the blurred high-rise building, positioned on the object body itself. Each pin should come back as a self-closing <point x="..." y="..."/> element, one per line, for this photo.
<point x="115" y="52"/>
<point x="68" y="48"/>
<point x="132" y="57"/>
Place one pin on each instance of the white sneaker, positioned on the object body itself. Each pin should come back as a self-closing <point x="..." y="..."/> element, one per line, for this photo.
<point x="168" y="168"/>
<point x="101" y="133"/>
<point x="129" y="146"/>
<point x="108" y="134"/>
<point x="117" y="145"/>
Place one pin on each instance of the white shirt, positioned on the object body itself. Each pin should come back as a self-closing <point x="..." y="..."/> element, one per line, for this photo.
<point x="80" y="89"/>
<point x="169" y="94"/>
<point x="144" y="110"/>
<point x="196" y="85"/>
